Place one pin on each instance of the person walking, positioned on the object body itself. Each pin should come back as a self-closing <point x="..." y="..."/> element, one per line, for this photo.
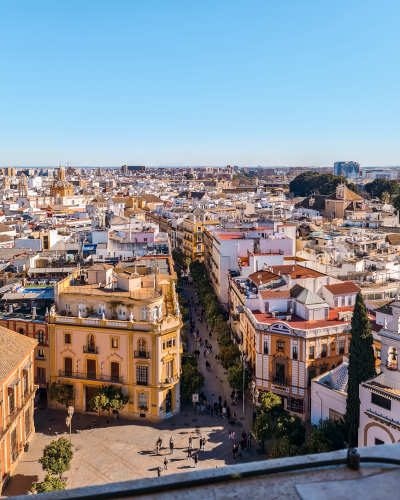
<point x="160" y="441"/>
<point x="165" y="463"/>
<point x="189" y="453"/>
<point x="220" y="399"/>
<point x="204" y="444"/>
<point x="171" y="446"/>
<point x="158" y="447"/>
<point x="196" y="459"/>
<point x="249" y="436"/>
<point x="190" y="440"/>
<point x="158" y="471"/>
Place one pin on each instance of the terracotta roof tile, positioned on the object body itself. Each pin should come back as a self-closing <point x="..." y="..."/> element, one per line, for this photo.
<point x="14" y="347"/>
<point x="342" y="288"/>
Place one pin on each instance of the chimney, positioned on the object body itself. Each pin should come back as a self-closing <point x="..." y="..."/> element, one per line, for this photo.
<point x="33" y="312"/>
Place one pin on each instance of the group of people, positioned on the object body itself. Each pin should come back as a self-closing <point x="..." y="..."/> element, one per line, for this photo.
<point x="240" y="445"/>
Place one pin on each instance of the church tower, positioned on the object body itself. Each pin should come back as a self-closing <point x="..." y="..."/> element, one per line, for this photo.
<point x="61" y="187"/>
<point x="22" y="187"/>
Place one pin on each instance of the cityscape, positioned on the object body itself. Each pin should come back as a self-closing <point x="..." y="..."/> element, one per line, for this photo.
<point x="199" y="250"/>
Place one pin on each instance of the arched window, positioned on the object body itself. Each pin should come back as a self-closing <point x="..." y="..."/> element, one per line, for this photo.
<point x="122" y="312"/>
<point x="81" y="308"/>
<point x="154" y="313"/>
<point x="91" y="343"/>
<point x="144" y="314"/>
<point x="101" y="308"/>
<point x="68" y="367"/>
<point x="40" y="337"/>
<point x="142" y="347"/>
<point x="21" y="331"/>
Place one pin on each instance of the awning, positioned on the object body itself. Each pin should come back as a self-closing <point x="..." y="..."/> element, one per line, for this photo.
<point x="14" y="382"/>
<point x="239" y="309"/>
<point x="89" y="247"/>
<point x="28" y="365"/>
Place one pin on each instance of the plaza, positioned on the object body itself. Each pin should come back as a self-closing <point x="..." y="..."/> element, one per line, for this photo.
<point x="126" y="450"/>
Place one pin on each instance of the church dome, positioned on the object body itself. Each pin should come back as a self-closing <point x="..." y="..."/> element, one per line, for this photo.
<point x="61" y="187"/>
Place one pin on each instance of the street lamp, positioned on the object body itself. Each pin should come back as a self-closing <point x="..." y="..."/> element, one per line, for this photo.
<point x="68" y="420"/>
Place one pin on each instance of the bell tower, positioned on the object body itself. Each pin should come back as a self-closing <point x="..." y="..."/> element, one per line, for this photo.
<point x="22" y="187"/>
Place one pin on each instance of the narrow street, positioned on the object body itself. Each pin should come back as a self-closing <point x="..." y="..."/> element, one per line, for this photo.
<point x="216" y="378"/>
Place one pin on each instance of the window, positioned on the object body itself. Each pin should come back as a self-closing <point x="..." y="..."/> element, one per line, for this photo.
<point x="68" y="367"/>
<point x="21" y="331"/>
<point x="336" y="303"/>
<point x="81" y="308"/>
<point x="381" y="401"/>
<point x="40" y="337"/>
<point x="144" y="314"/>
<point x="280" y="373"/>
<point x="142" y="401"/>
<point x="114" y="343"/>
<point x="265" y="347"/>
<point x="141" y="375"/>
<point x="379" y="441"/>
<point x="311" y="352"/>
<point x="378" y="354"/>
<point x="154" y="313"/>
<point x="323" y="351"/>
<point x="326" y="312"/>
<point x="266" y="307"/>
<point x="91" y="343"/>
<point x="199" y="248"/>
<point x="280" y="345"/>
<point x="142" y="347"/>
<point x="169" y="343"/>
<point x="168" y="370"/>
<point x="295" y="353"/>
<point x="114" y="371"/>
<point x="41" y="353"/>
<point x="67" y="338"/>
<point x="341" y="346"/>
<point x="101" y="308"/>
<point x="311" y="375"/>
<point x="67" y="307"/>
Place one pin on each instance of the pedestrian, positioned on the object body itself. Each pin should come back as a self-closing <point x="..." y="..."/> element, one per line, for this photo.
<point x="196" y="459"/>
<point x="190" y="440"/>
<point x="230" y="435"/>
<point x="224" y="412"/>
<point x="189" y="453"/>
<point x="204" y="444"/>
<point x="233" y="435"/>
<point x="158" y="471"/>
<point x="228" y="413"/>
<point x="171" y="446"/>
<point x="165" y="463"/>
<point x="234" y="451"/>
<point x="160" y="440"/>
<point x="220" y="399"/>
<point x="158" y="447"/>
<point x="225" y="404"/>
<point x="249" y="439"/>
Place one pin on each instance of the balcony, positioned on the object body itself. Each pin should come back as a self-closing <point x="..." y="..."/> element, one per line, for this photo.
<point x="88" y="349"/>
<point x="280" y="380"/>
<point x="91" y="376"/>
<point x="142" y="354"/>
<point x="170" y="380"/>
<point x="40" y="358"/>
<point x="40" y="381"/>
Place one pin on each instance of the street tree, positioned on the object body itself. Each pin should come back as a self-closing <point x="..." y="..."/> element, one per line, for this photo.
<point x="61" y="393"/>
<point x="49" y="484"/>
<point x="317" y="443"/>
<point x="266" y="415"/>
<point x="235" y="377"/>
<point x="192" y="380"/>
<point x="107" y="398"/>
<point x="283" y="448"/>
<point x="229" y="355"/>
<point x="57" y="457"/>
<point x="290" y="426"/>
<point x="361" y="366"/>
<point x="396" y="202"/>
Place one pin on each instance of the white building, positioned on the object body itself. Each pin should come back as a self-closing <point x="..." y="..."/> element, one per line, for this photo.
<point x="380" y="396"/>
<point x="329" y="394"/>
<point x="35" y="182"/>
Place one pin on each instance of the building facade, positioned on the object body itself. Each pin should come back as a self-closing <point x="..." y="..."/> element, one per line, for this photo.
<point x="17" y="392"/>
<point x="122" y="330"/>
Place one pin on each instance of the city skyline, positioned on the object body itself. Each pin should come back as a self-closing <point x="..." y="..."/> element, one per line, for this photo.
<point x="209" y="84"/>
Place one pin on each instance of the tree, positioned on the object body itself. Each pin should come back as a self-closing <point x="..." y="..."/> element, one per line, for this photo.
<point x="353" y="187"/>
<point x="229" y="355"/>
<point x="107" y="398"/>
<point x="317" y="443"/>
<point x="283" y="448"/>
<point x="379" y="186"/>
<point x="396" y="202"/>
<point x="192" y="380"/>
<point x="49" y="484"/>
<point x="266" y="415"/>
<point x="290" y="426"/>
<point x="385" y="197"/>
<point x="61" y="393"/>
<point x="57" y="457"/>
<point x="189" y="176"/>
<point x="361" y="366"/>
<point x="235" y="377"/>
<point x="313" y="182"/>
<point x="334" y="431"/>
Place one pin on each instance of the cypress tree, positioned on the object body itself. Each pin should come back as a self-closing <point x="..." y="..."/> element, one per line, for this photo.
<point x="361" y="366"/>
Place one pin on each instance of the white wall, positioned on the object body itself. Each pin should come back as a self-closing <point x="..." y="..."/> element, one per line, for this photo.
<point x="322" y="399"/>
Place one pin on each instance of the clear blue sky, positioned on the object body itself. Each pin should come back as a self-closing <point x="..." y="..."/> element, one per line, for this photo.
<point x="190" y="82"/>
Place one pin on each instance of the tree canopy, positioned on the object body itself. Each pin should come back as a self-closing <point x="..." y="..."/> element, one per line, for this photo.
<point x="57" y="457"/>
<point x="61" y="393"/>
<point x="235" y="377"/>
<point x="309" y="182"/>
<point x="107" y="398"/>
<point x="378" y="186"/>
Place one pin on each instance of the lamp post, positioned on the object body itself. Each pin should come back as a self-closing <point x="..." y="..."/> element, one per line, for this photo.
<point x="68" y="420"/>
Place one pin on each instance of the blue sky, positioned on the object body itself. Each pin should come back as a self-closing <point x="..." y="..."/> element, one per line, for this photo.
<point x="199" y="82"/>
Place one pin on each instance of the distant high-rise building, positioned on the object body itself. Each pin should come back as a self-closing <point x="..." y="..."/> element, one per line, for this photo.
<point x="349" y="169"/>
<point x="127" y="168"/>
